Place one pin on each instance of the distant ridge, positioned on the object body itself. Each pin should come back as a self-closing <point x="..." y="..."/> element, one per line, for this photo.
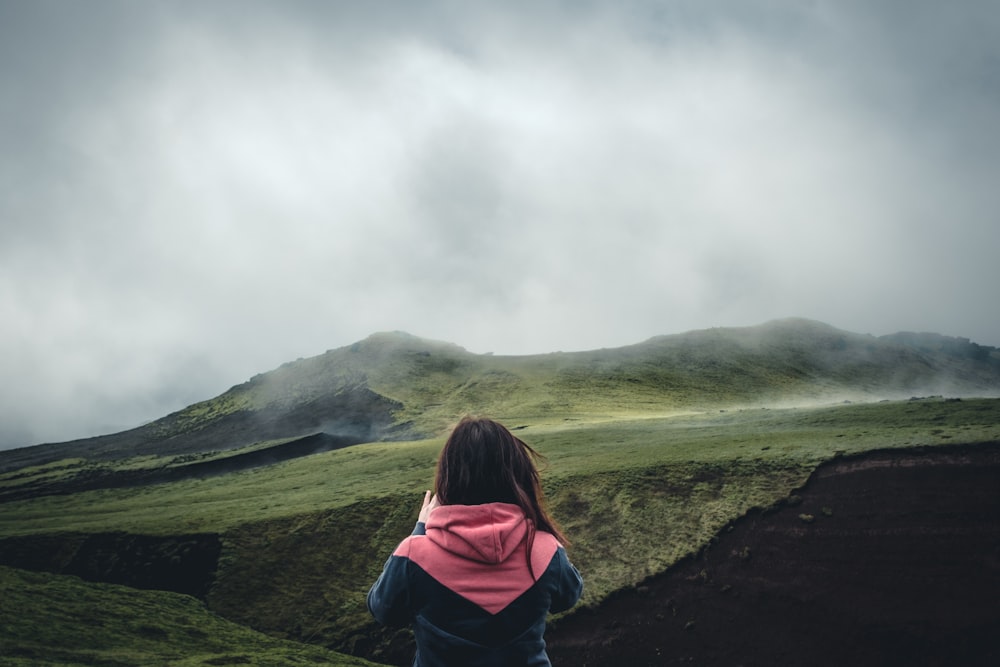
<point x="394" y="385"/>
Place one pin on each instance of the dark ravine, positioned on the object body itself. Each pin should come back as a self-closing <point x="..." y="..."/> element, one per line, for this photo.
<point x="889" y="558"/>
<point x="178" y="563"/>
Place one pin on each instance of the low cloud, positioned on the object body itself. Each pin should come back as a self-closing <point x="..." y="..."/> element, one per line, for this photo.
<point x="192" y="195"/>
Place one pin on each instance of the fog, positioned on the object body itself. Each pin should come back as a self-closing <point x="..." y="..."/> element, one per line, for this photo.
<point x="193" y="193"/>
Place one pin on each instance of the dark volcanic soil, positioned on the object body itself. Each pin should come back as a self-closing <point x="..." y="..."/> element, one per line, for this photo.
<point x="891" y="558"/>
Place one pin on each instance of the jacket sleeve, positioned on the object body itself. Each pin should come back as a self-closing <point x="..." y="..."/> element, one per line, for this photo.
<point x="568" y="586"/>
<point x="389" y="596"/>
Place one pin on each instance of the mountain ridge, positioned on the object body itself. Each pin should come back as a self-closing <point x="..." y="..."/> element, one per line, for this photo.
<point x="394" y="385"/>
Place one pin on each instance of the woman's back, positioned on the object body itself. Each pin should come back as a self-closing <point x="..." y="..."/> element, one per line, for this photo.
<point x="464" y="583"/>
<point x="484" y="566"/>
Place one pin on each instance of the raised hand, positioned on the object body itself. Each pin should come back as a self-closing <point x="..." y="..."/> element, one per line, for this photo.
<point x="430" y="502"/>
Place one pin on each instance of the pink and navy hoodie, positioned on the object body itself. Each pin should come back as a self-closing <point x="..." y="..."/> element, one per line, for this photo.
<point x="464" y="583"/>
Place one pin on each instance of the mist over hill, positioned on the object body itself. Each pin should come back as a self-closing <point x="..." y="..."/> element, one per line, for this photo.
<point x="689" y="500"/>
<point x="397" y="386"/>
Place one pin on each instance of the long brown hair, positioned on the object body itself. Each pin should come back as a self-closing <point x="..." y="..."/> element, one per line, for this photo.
<point x="483" y="462"/>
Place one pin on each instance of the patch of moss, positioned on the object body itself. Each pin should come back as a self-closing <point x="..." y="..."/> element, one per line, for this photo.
<point x="50" y="619"/>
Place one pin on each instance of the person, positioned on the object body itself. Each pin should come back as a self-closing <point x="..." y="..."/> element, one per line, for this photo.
<point x="485" y="564"/>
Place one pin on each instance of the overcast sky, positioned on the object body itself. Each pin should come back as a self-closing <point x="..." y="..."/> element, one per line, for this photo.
<point x="195" y="192"/>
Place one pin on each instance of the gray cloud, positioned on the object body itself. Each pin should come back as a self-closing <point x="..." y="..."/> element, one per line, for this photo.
<point x="194" y="193"/>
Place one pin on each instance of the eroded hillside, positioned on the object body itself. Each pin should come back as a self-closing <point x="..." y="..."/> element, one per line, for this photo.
<point x="889" y="558"/>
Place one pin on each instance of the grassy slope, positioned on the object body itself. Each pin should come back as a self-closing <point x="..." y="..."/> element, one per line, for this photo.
<point x="50" y="619"/>
<point x="648" y="457"/>
<point x="575" y="447"/>
<point x="796" y="360"/>
<point x="393" y="385"/>
<point x="304" y="539"/>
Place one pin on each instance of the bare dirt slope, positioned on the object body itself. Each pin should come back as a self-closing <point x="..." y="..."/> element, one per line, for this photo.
<point x="892" y="558"/>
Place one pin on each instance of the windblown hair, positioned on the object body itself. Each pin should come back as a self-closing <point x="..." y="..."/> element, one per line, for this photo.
<point x="483" y="462"/>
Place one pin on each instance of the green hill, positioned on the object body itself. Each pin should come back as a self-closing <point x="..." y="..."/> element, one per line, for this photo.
<point x="259" y="503"/>
<point x="59" y="620"/>
<point x="394" y="386"/>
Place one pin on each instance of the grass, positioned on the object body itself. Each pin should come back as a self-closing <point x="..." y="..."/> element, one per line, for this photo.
<point x="635" y="493"/>
<point x="48" y="619"/>
<point x="328" y="480"/>
<point x="432" y="382"/>
<point x="793" y="438"/>
<point x="407" y="387"/>
<point x="652" y="450"/>
<point x="65" y="470"/>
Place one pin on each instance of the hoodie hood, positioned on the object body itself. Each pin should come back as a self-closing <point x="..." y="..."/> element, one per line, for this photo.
<point x="480" y="552"/>
<point x="488" y="533"/>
